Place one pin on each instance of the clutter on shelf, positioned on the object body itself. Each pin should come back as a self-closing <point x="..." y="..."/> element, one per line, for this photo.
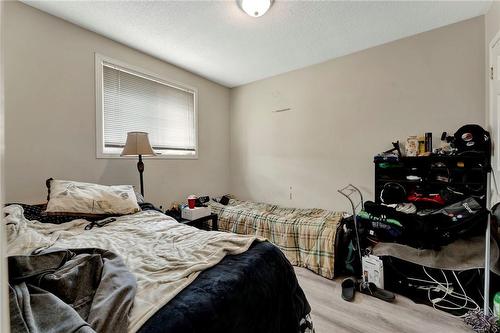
<point x="430" y="213"/>
<point x="468" y="139"/>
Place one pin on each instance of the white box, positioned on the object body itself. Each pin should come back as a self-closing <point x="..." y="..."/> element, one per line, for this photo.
<point x="373" y="270"/>
<point x="195" y="213"/>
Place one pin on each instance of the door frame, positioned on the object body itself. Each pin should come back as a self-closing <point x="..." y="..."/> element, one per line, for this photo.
<point x="4" y="292"/>
<point x="491" y="112"/>
<point x="492" y="122"/>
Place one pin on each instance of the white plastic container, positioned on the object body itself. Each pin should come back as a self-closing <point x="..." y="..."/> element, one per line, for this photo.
<point x="195" y="213"/>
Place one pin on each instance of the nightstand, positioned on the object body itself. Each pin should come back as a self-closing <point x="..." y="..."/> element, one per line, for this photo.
<point x="201" y="222"/>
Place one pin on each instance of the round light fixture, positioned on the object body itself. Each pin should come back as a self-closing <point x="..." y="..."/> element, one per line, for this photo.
<point x="255" y="8"/>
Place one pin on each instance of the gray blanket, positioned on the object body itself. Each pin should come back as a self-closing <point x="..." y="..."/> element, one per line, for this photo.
<point x="459" y="255"/>
<point x="82" y="290"/>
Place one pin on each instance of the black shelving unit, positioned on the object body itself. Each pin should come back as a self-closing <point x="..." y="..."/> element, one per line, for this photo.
<point x="468" y="173"/>
<point x="464" y="173"/>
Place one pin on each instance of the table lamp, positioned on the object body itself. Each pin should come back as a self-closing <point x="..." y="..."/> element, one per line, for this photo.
<point x="138" y="144"/>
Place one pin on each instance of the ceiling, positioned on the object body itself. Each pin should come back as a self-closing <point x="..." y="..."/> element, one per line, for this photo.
<point x="218" y="41"/>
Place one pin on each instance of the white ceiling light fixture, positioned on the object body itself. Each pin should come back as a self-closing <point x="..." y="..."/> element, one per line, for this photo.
<point x="255" y="8"/>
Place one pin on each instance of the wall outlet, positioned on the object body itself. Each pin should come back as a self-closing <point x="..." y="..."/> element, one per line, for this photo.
<point x="291" y="193"/>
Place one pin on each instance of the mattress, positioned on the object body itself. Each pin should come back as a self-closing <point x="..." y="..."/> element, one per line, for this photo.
<point x="305" y="236"/>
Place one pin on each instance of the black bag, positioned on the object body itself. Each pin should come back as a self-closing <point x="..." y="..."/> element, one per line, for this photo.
<point x="465" y="218"/>
<point x="347" y="261"/>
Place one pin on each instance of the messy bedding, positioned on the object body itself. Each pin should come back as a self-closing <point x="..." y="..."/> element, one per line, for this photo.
<point x="167" y="258"/>
<point x="42" y="296"/>
<point x="306" y="236"/>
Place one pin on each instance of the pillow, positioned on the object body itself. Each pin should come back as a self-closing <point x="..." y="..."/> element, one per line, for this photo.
<point x="86" y="199"/>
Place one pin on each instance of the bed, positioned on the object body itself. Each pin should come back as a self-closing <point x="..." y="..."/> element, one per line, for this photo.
<point x="188" y="280"/>
<point x="306" y="236"/>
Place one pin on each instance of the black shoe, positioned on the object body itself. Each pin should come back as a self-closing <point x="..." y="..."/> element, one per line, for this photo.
<point x="369" y="288"/>
<point x="348" y="289"/>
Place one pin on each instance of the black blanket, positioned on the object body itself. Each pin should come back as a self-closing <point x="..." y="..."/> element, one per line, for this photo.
<point x="256" y="291"/>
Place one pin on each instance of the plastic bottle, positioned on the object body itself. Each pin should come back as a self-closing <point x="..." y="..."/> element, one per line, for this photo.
<point x="496" y="304"/>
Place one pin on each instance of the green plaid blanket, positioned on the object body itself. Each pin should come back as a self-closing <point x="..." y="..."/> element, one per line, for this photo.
<point x="306" y="236"/>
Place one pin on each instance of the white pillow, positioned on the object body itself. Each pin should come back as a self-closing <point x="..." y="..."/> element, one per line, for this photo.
<point x="69" y="197"/>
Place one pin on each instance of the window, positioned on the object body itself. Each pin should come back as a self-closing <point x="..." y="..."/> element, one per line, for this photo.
<point x="128" y="99"/>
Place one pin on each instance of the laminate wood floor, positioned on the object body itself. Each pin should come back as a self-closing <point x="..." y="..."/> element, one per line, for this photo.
<point x="331" y="314"/>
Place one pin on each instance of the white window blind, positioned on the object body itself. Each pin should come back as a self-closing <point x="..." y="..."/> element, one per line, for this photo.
<point x="132" y="102"/>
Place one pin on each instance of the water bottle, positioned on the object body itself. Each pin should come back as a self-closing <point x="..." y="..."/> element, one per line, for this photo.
<point x="496" y="304"/>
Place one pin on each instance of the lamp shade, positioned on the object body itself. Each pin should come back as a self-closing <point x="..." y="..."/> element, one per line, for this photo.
<point x="137" y="144"/>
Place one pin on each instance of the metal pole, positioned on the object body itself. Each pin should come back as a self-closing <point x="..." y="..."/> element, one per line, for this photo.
<point x="486" y="306"/>
<point x="347" y="191"/>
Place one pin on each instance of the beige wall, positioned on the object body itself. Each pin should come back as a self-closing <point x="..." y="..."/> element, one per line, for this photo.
<point x="346" y="110"/>
<point x="343" y="111"/>
<point x="492" y="21"/>
<point x="50" y="114"/>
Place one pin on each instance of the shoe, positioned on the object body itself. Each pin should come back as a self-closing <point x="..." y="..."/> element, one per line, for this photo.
<point x="348" y="289"/>
<point x="371" y="289"/>
<point x="407" y="208"/>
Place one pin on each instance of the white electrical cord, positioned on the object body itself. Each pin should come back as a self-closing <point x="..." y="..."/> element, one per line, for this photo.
<point x="426" y="281"/>
<point x="435" y="285"/>
<point x="438" y="283"/>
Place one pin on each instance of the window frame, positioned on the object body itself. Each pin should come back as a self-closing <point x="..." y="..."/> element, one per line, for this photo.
<point x="135" y="70"/>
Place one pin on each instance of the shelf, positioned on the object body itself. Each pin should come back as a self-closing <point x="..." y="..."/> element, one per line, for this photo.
<point x="437" y="158"/>
<point x="406" y="181"/>
<point x="474" y="167"/>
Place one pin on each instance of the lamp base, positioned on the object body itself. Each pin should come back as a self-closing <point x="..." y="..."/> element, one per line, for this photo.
<point x="140" y="168"/>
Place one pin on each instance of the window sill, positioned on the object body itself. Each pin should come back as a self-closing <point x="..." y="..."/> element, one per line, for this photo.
<point x="157" y="157"/>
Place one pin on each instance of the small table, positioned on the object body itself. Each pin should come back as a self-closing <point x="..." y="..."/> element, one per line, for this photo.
<point x="198" y="223"/>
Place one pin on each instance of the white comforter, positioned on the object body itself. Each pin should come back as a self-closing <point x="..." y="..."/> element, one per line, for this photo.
<point x="164" y="255"/>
